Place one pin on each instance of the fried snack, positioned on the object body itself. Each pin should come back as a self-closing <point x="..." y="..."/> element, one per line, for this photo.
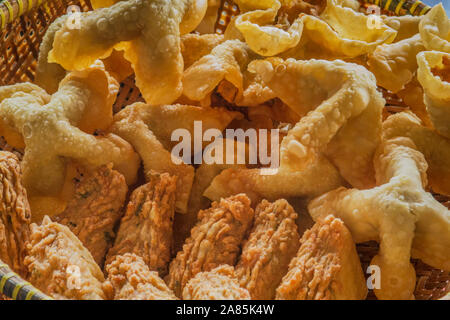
<point x="146" y="228"/>
<point x="273" y="242"/>
<point x="62" y="129"/>
<point x="194" y="46"/>
<point x="204" y="174"/>
<point x="399" y="213"/>
<point x="394" y="65"/>
<point x="149" y="130"/>
<point x="351" y="113"/>
<point x="60" y="266"/>
<point x="226" y="66"/>
<point x="49" y="75"/>
<point x="432" y="145"/>
<point x="95" y="209"/>
<point x="262" y="36"/>
<point x="343" y="33"/>
<point x="215" y="240"/>
<point x="208" y="24"/>
<point x="217" y="284"/>
<point x="434" y="29"/>
<point x="118" y="66"/>
<point x="28" y="92"/>
<point x="291" y="9"/>
<point x="129" y="278"/>
<point x="326" y="267"/>
<point x="406" y="26"/>
<point x="183" y="223"/>
<point x="333" y="108"/>
<point x="434" y="76"/>
<point x="412" y="96"/>
<point x="15" y="214"/>
<point x="285" y="181"/>
<point x="153" y="29"/>
<point x="340" y="32"/>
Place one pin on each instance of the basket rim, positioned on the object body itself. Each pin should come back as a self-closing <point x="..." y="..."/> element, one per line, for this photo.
<point x="10" y="10"/>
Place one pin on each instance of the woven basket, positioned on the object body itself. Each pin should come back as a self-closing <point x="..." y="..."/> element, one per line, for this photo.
<point x="22" y="26"/>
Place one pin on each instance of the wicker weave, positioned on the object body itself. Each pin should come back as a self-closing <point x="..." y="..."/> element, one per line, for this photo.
<point x="19" y="49"/>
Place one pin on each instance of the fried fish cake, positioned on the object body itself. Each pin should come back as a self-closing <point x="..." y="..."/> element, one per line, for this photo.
<point x="129" y="278"/>
<point x="215" y="240"/>
<point x="217" y="284"/>
<point x="60" y="266"/>
<point x="147" y="227"/>
<point x="273" y="242"/>
<point x="326" y="267"/>
<point x="15" y="214"/>
<point x="95" y="209"/>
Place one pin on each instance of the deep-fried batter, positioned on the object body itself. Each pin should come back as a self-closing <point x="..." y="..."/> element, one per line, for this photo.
<point x="60" y="128"/>
<point x="15" y="214"/>
<point x="149" y="30"/>
<point x="146" y="228"/>
<point x="217" y="284"/>
<point x="149" y="129"/>
<point x="272" y="244"/>
<point x="215" y="240"/>
<point x="326" y="267"/>
<point x="444" y="72"/>
<point x="195" y="46"/>
<point x="436" y="87"/>
<point x="399" y="213"/>
<point x="59" y="264"/>
<point x="95" y="209"/>
<point x="129" y="278"/>
<point x="49" y="75"/>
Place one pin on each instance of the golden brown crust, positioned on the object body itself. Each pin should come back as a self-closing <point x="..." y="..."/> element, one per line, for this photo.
<point x="150" y="32"/>
<point x="406" y="220"/>
<point x="95" y="209"/>
<point x="326" y="267"/>
<point x="59" y="264"/>
<point x="444" y="72"/>
<point x="273" y="242"/>
<point x="434" y="147"/>
<point x="195" y="46"/>
<point x="129" y="278"/>
<point x="49" y="75"/>
<point x="147" y="227"/>
<point x="217" y="284"/>
<point x="60" y="128"/>
<point x="215" y="240"/>
<point x="149" y="130"/>
<point x="291" y="10"/>
<point x="15" y="214"/>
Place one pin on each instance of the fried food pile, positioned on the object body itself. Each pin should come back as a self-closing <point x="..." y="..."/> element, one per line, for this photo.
<point x="98" y="204"/>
